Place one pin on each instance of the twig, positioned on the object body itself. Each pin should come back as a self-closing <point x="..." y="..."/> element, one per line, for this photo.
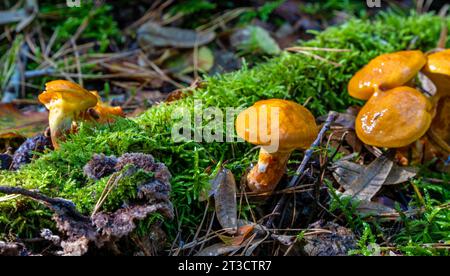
<point x="306" y="53"/>
<point x="39" y="73"/>
<point x="298" y="48"/>
<point x="112" y="182"/>
<point x="295" y="180"/>
<point x="53" y="203"/>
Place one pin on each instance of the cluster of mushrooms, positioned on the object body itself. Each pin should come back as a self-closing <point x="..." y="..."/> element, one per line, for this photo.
<point x="398" y="115"/>
<point x="69" y="103"/>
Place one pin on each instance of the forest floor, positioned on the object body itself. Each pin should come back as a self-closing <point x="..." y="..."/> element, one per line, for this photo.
<point x="152" y="56"/>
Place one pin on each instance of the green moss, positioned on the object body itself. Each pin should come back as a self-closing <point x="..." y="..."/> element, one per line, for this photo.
<point x="291" y="76"/>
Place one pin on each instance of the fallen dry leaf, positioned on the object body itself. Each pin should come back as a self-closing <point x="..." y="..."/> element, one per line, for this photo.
<point x="370" y="180"/>
<point x="224" y="191"/>
<point x="15" y="125"/>
<point x="345" y="172"/>
<point x="23" y="124"/>
<point x="426" y="84"/>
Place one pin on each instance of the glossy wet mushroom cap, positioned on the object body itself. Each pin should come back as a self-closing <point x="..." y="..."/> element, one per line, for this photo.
<point x="294" y="128"/>
<point x="437" y="69"/>
<point x="297" y="127"/>
<point x="385" y="72"/>
<point x="394" y="118"/>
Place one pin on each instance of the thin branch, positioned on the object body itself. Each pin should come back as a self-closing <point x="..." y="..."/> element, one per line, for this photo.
<point x="52" y="203"/>
<point x="300" y="170"/>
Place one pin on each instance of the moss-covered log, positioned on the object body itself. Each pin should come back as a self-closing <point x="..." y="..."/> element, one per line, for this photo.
<point x="291" y="76"/>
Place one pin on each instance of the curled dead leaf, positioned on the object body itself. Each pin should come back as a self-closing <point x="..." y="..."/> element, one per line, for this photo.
<point x="370" y="180"/>
<point x="224" y="191"/>
<point x="345" y="172"/>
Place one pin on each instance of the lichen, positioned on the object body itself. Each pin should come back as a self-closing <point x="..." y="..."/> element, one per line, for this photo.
<point x="292" y="76"/>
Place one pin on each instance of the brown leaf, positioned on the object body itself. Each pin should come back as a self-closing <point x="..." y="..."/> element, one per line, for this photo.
<point x="13" y="121"/>
<point x="151" y="34"/>
<point x="224" y="190"/>
<point x="370" y="180"/>
<point x="426" y="84"/>
<point x="345" y="172"/>
<point x="354" y="141"/>
<point x="345" y="120"/>
<point x="399" y="175"/>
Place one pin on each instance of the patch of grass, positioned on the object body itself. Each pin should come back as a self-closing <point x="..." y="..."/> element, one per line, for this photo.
<point x="262" y="12"/>
<point x="328" y="8"/>
<point x="63" y="22"/>
<point x="290" y="76"/>
<point x="101" y="26"/>
<point x="426" y="233"/>
<point x="7" y="62"/>
<point x="192" y="6"/>
<point x="423" y="234"/>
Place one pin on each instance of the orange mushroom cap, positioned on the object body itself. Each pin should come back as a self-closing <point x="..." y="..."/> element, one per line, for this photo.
<point x="66" y="95"/>
<point x="297" y="128"/>
<point x="106" y="112"/>
<point x="66" y="101"/>
<point x="438" y="63"/>
<point x="293" y="127"/>
<point x="386" y="72"/>
<point x="437" y="69"/>
<point x="394" y="118"/>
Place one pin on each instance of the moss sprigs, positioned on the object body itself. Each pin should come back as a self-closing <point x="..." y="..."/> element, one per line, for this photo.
<point x="291" y="76"/>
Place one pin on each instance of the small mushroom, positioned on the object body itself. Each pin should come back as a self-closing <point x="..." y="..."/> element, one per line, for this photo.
<point x="66" y="102"/>
<point x="386" y="72"/>
<point x="294" y="127"/>
<point x="104" y="112"/>
<point x="394" y="118"/>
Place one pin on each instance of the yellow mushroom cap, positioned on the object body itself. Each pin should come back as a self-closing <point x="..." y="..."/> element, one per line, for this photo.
<point x="438" y="63"/>
<point x="66" y="101"/>
<point x="386" y="72"/>
<point x="105" y="111"/>
<point x="68" y="96"/>
<point x="296" y="125"/>
<point x="438" y="69"/>
<point x="394" y="118"/>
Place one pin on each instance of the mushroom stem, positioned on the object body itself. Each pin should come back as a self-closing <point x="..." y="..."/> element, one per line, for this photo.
<point x="265" y="176"/>
<point x="59" y="124"/>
